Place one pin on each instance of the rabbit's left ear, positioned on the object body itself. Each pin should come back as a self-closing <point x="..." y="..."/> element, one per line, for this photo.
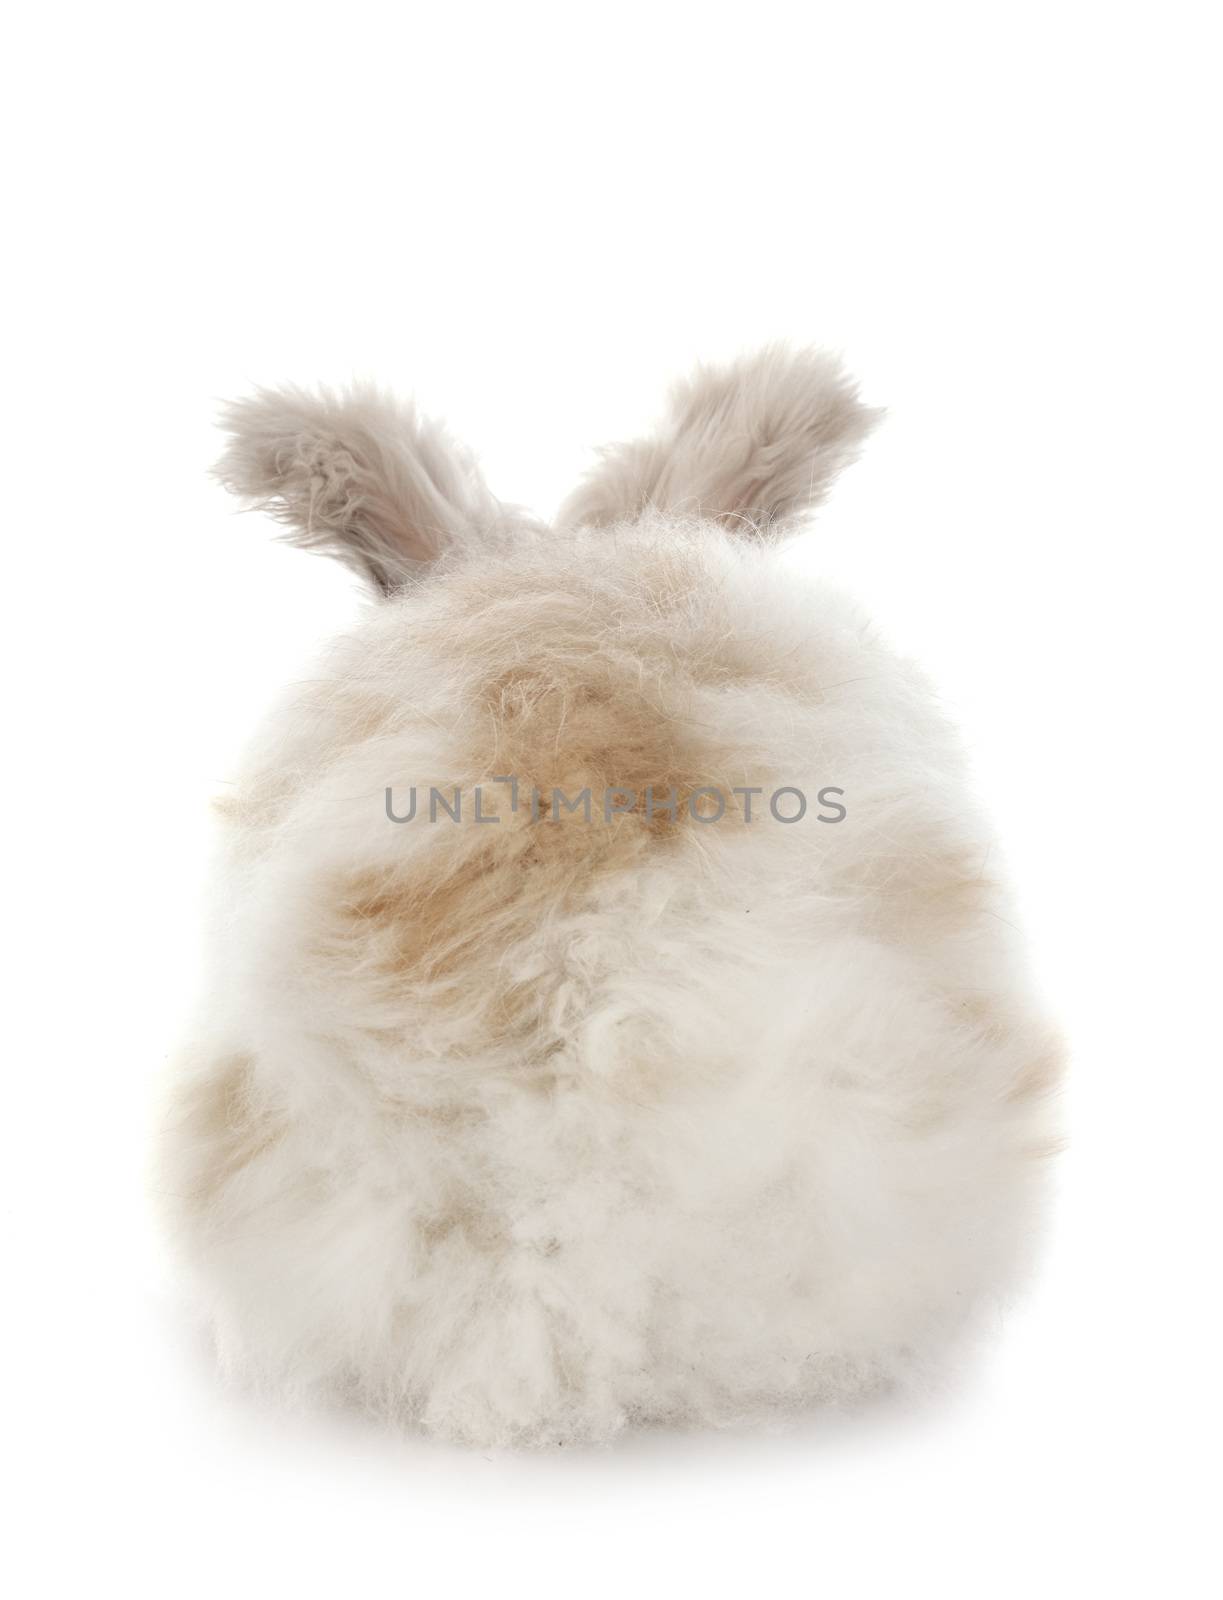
<point x="357" y="476"/>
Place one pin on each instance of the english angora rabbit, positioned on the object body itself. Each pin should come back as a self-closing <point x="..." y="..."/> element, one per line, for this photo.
<point x="611" y="1019"/>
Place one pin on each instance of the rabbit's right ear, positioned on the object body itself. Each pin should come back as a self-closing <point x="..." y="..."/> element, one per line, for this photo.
<point x="752" y="445"/>
<point x="357" y="476"/>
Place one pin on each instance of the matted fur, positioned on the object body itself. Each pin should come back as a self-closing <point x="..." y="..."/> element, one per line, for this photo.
<point x="524" y="1131"/>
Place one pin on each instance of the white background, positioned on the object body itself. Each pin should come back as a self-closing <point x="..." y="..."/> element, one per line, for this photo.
<point x="534" y="218"/>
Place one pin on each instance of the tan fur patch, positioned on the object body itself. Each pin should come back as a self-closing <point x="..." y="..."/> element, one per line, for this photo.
<point x="221" y="1128"/>
<point x="923" y="896"/>
<point x="463" y="1217"/>
<point x="449" y="917"/>
<point x="1040" y="1076"/>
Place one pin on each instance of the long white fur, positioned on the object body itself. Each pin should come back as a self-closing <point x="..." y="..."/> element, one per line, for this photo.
<point x="525" y="1132"/>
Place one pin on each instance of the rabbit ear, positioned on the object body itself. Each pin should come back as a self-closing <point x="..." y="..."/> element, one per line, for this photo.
<point x="752" y="444"/>
<point x="357" y="476"/>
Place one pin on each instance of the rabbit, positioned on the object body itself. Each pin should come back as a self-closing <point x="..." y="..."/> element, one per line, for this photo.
<point x="611" y="1018"/>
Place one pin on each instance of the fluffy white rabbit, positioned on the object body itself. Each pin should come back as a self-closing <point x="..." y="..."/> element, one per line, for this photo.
<point x="691" y="1074"/>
